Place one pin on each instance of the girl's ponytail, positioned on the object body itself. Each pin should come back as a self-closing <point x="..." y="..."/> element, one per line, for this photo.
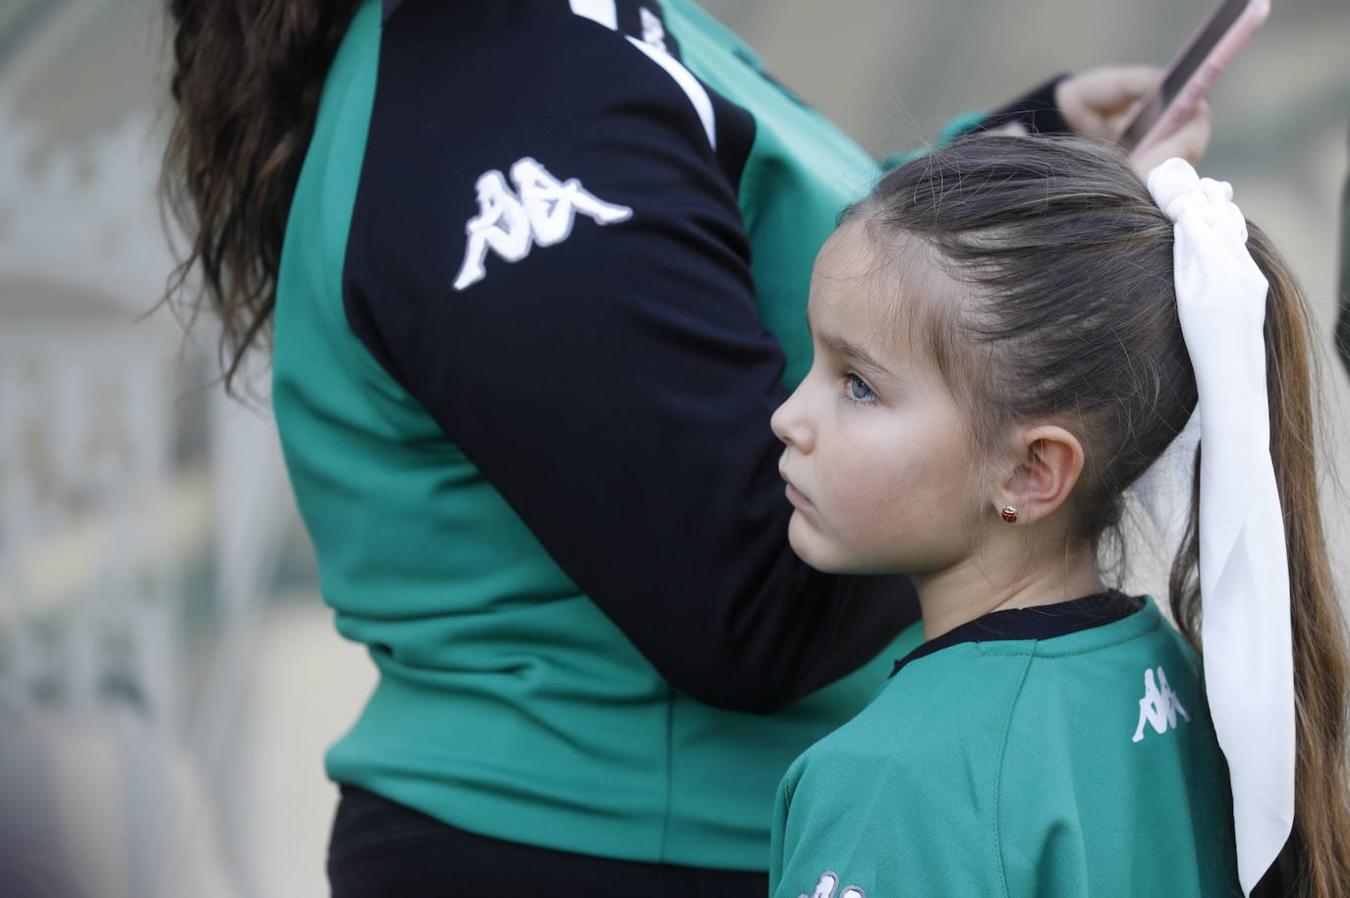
<point x="247" y="76"/>
<point x="1317" y="861"/>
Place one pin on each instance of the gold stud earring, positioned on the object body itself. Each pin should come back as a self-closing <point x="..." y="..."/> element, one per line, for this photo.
<point x="1009" y="514"/>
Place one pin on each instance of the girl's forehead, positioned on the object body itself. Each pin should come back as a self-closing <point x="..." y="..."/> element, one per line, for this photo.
<point x="877" y="290"/>
<point x="850" y="250"/>
<point x="847" y="282"/>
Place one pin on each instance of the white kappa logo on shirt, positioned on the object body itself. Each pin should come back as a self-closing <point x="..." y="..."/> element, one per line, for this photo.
<point x="540" y="212"/>
<point x="1159" y="707"/>
<point x="828" y="883"/>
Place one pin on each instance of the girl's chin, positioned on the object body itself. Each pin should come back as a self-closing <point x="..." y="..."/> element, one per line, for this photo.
<point x="802" y="540"/>
<point x="829" y="557"/>
<point x="813" y="548"/>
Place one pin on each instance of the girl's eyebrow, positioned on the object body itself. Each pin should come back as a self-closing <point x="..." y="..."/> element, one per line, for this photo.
<point x="846" y="349"/>
<point x="856" y="353"/>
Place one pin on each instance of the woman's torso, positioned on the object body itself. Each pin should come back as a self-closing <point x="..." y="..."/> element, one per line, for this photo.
<point x="508" y="704"/>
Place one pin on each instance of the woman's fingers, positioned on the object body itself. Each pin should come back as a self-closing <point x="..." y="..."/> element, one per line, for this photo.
<point x="1188" y="141"/>
<point x="1092" y="101"/>
<point x="1110" y="87"/>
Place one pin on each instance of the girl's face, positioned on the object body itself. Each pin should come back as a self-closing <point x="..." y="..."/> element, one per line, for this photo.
<point x="878" y="460"/>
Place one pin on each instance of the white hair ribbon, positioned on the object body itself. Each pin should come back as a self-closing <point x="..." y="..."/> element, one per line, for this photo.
<point x="1244" y="567"/>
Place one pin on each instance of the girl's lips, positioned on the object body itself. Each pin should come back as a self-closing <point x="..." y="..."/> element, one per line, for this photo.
<point x="796" y="497"/>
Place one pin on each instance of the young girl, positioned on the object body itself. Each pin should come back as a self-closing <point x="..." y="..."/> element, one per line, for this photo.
<point x="999" y="354"/>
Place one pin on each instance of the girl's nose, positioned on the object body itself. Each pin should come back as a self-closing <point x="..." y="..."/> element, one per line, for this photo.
<point x="790" y="424"/>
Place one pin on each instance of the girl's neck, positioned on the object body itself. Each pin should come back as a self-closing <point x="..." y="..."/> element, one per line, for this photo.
<point x="1002" y="579"/>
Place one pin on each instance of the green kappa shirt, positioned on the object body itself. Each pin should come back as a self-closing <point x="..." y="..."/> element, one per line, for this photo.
<point x="1000" y="764"/>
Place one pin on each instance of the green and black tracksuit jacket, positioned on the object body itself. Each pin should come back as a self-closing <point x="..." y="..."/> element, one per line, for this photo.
<point x="543" y="283"/>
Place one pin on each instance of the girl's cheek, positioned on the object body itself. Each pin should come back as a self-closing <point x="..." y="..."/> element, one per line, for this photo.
<point x="880" y="504"/>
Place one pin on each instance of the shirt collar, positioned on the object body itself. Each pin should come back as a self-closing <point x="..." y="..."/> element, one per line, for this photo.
<point x="1037" y="622"/>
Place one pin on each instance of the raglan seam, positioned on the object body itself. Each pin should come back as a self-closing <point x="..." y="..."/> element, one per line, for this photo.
<point x="696" y="95"/>
<point x="374" y="369"/>
<point x="1033" y="654"/>
<point x="375" y="364"/>
<point x="998" y="773"/>
<point x="731" y="158"/>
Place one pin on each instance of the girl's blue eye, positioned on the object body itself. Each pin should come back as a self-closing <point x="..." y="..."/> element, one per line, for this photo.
<point x="857" y="390"/>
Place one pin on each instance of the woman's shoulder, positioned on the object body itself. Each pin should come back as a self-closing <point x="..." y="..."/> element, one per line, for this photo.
<point x="536" y="67"/>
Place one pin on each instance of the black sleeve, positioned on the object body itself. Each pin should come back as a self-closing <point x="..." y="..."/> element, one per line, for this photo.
<point x="1035" y="109"/>
<point x="612" y="380"/>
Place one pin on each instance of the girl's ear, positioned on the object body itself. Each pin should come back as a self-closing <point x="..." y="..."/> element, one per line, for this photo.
<point x="1049" y="464"/>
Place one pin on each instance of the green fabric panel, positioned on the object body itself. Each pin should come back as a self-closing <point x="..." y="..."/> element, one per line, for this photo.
<point x="1009" y="768"/>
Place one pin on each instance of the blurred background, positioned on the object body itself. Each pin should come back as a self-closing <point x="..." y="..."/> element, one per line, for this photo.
<point x="169" y="678"/>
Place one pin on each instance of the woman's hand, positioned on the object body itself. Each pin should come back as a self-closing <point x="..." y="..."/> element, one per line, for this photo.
<point x="1095" y="103"/>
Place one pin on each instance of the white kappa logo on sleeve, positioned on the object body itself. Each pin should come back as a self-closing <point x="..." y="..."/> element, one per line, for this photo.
<point x="828" y="883"/>
<point x="1159" y="707"/>
<point x="539" y="212"/>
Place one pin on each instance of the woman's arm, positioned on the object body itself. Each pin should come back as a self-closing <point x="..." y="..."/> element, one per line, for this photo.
<point x="1093" y="103"/>
<point x="547" y="252"/>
